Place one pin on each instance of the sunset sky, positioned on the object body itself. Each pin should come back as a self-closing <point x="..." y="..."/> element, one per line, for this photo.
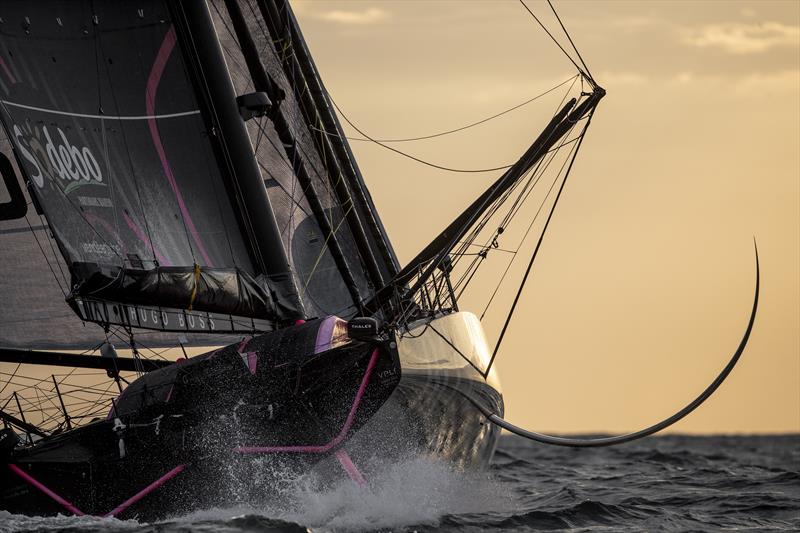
<point x="645" y="281"/>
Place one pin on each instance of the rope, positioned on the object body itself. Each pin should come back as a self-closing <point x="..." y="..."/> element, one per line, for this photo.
<point x="570" y="40"/>
<point x="554" y="39"/>
<point x="538" y="245"/>
<point x="194" y="289"/>
<point x="462" y="128"/>
<point x="417" y="159"/>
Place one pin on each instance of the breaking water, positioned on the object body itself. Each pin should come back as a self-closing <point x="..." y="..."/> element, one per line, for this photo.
<point x="672" y="483"/>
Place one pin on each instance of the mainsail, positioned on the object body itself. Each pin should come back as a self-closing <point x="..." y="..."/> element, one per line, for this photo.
<point x="169" y="210"/>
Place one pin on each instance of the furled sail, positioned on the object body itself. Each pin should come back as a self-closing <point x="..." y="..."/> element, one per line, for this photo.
<point x="132" y="168"/>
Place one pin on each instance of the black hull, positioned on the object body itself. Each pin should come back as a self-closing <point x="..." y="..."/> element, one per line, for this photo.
<point x="191" y="440"/>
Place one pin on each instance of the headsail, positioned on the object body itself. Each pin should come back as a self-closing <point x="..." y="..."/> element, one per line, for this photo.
<point x="336" y="245"/>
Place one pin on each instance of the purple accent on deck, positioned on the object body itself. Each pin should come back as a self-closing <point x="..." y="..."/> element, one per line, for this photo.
<point x="350" y="467"/>
<point x="250" y="358"/>
<point x="163" y="261"/>
<point x="169" y="393"/>
<point x="243" y="344"/>
<point x="338" y="438"/>
<point x="325" y="334"/>
<point x="150" y="104"/>
<point x="145" y="491"/>
<point x="30" y="480"/>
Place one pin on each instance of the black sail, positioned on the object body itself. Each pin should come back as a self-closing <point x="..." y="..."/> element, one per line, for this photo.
<point x="335" y="243"/>
<point x="34" y="282"/>
<point x="123" y="159"/>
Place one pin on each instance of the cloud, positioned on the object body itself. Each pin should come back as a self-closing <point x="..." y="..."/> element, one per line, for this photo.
<point x="635" y="23"/>
<point x="367" y="16"/>
<point x="754" y="84"/>
<point x="737" y="38"/>
<point x="785" y="81"/>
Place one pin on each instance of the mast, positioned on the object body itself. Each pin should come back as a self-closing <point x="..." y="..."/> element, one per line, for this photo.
<point x="263" y="83"/>
<point x="196" y="31"/>
<point x="318" y="113"/>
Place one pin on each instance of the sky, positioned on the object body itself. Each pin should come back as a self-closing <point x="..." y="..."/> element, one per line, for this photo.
<point x="645" y="280"/>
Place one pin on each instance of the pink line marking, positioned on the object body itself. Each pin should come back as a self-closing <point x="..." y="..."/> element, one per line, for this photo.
<point x="252" y="361"/>
<point x="251" y="357"/>
<point x="28" y="478"/>
<point x="338" y="438"/>
<point x="152" y="88"/>
<point x="118" y="509"/>
<point x="243" y="344"/>
<point x="142" y="237"/>
<point x="7" y="70"/>
<point x="145" y="491"/>
<point x="92" y="218"/>
<point x="349" y="467"/>
<point x="169" y="393"/>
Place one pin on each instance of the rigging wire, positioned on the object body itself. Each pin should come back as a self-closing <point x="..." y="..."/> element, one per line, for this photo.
<point x="515" y="208"/>
<point x="455" y="130"/>
<point x="510" y="263"/>
<point x="534" y="175"/>
<point x="522" y="197"/>
<point x="5" y="385"/>
<point x="555" y="40"/>
<point x="46" y="259"/>
<point x="538" y="244"/>
<point x="417" y="159"/>
<point x="571" y="41"/>
<point x="49" y="234"/>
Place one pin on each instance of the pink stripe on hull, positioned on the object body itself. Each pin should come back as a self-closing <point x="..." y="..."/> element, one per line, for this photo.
<point x="243" y="344"/>
<point x="349" y="467"/>
<point x="145" y="491"/>
<point x="150" y="104"/>
<point x="30" y="480"/>
<point x="117" y="510"/>
<point x="252" y="361"/>
<point x="336" y="440"/>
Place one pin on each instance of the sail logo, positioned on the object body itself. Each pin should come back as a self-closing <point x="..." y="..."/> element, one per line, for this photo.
<point x="56" y="156"/>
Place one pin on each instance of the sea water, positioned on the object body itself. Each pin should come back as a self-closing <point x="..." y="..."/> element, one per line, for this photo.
<point x="671" y="483"/>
